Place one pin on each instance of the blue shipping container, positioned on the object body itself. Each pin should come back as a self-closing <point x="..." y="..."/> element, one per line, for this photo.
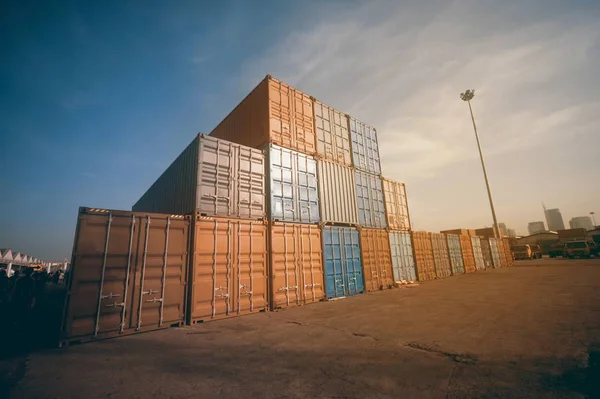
<point x="293" y="185"/>
<point x="343" y="263"/>
<point x="371" y="208"/>
<point x="365" y="149"/>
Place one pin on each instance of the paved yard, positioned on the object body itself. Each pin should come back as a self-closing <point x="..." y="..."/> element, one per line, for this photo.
<point x="522" y="332"/>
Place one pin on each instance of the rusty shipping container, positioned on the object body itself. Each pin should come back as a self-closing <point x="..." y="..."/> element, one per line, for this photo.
<point x="342" y="262"/>
<point x="466" y="247"/>
<point x="502" y="253"/>
<point x="365" y="147"/>
<point x="213" y="177"/>
<point x="228" y="273"/>
<point x="296" y="265"/>
<point x="478" y="252"/>
<point x="495" y="253"/>
<point x="423" y="255"/>
<point x="128" y="274"/>
<point x="486" y="252"/>
<point x="333" y="136"/>
<point x="455" y="253"/>
<point x="369" y="193"/>
<point x="441" y="257"/>
<point x="273" y="112"/>
<point x="292" y="183"/>
<point x="510" y="261"/>
<point x="377" y="259"/>
<point x="337" y="193"/>
<point x="396" y="205"/>
<point x="403" y="261"/>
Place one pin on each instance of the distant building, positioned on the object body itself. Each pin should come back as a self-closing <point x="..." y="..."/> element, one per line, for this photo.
<point x="554" y="219"/>
<point x="581" y="222"/>
<point x="511" y="233"/>
<point x="535" y="227"/>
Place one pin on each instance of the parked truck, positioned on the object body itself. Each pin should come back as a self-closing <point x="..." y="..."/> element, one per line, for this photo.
<point x="527" y="251"/>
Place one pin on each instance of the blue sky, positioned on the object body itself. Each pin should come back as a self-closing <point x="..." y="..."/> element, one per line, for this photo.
<point x="95" y="101"/>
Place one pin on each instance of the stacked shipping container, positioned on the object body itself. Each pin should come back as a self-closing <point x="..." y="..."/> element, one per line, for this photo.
<point x="441" y="256"/>
<point x="455" y="253"/>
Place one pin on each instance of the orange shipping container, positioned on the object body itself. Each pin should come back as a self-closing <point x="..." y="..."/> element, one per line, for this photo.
<point x="423" y="256"/>
<point x="296" y="265"/>
<point x="468" y="255"/>
<point x="396" y="205"/>
<point x="502" y="253"/>
<point x="228" y="274"/>
<point x="510" y="261"/>
<point x="273" y="112"/>
<point x="377" y="259"/>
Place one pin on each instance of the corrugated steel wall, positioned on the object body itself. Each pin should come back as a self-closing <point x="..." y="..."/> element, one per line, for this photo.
<point x="293" y="186"/>
<point x="377" y="260"/>
<point x="128" y="273"/>
<point x="495" y="252"/>
<point x="456" y="258"/>
<point x="337" y="193"/>
<point x="478" y="253"/>
<point x="423" y="255"/>
<point x="342" y="261"/>
<point x="369" y="193"/>
<point x="333" y="137"/>
<point x="228" y="274"/>
<point x="487" y="253"/>
<point x="466" y="246"/>
<point x="365" y="148"/>
<point x="403" y="261"/>
<point x="441" y="257"/>
<point x="296" y="265"/>
<point x="396" y="205"/>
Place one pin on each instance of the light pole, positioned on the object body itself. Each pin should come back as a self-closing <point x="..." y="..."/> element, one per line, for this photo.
<point x="593" y="218"/>
<point x="468" y="96"/>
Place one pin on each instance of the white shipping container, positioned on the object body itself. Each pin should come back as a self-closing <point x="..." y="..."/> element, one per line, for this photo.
<point x="396" y="205"/>
<point x="333" y="137"/>
<point x="478" y="252"/>
<point x="403" y="261"/>
<point x="495" y="252"/>
<point x="369" y="193"/>
<point x="337" y="193"/>
<point x="213" y="177"/>
<point x="365" y="149"/>
<point x="456" y="259"/>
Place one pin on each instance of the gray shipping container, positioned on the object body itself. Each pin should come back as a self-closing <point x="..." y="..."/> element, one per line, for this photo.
<point x="495" y="252"/>
<point x="333" y="137"/>
<point x="365" y="149"/>
<point x="478" y="253"/>
<point x="369" y="194"/>
<point x="337" y="193"/>
<point x="293" y="186"/>
<point x="403" y="261"/>
<point x="456" y="259"/>
<point x="213" y="177"/>
<point x="441" y="257"/>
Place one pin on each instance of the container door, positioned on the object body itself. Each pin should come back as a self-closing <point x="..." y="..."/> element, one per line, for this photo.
<point x="217" y="178"/>
<point x="308" y="197"/>
<point x="250" y="184"/>
<point x="335" y="284"/>
<point x="352" y="261"/>
<point x="395" y="253"/>
<point x="333" y="138"/>
<point x="285" y="266"/>
<point x="378" y="204"/>
<point x="309" y="249"/>
<point x="250" y="281"/>
<point x="282" y="184"/>
<point x="477" y="253"/>
<point x="365" y="150"/>
<point x="407" y="260"/>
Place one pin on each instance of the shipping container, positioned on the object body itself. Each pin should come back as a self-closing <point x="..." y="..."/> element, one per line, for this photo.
<point x="478" y="253"/>
<point x="365" y="148"/>
<point x="510" y="261"/>
<point x="441" y="257"/>
<point x="333" y="137"/>
<point x="495" y="253"/>
<point x="486" y="252"/>
<point x="342" y="262"/>
<point x="228" y="273"/>
<point x="466" y="247"/>
<point x="579" y="234"/>
<point x="460" y="232"/>
<point x="273" y="112"/>
<point x="423" y="255"/>
<point x="377" y="259"/>
<point x="213" y="177"/>
<point x="296" y="265"/>
<point x="127" y="275"/>
<point x="403" y="261"/>
<point x="456" y="258"/>
<point x="293" y="186"/>
<point x="369" y="193"/>
<point x="502" y="254"/>
<point x="396" y="205"/>
<point x="337" y="193"/>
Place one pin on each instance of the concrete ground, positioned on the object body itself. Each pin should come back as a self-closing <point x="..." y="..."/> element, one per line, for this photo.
<point x="530" y="331"/>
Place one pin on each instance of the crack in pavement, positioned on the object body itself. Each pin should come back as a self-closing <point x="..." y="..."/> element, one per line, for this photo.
<point x="455" y="357"/>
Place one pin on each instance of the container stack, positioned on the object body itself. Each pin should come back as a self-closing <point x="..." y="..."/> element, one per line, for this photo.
<point x="222" y="186"/>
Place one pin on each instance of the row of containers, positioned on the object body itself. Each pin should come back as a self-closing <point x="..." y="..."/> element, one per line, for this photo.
<point x="135" y="272"/>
